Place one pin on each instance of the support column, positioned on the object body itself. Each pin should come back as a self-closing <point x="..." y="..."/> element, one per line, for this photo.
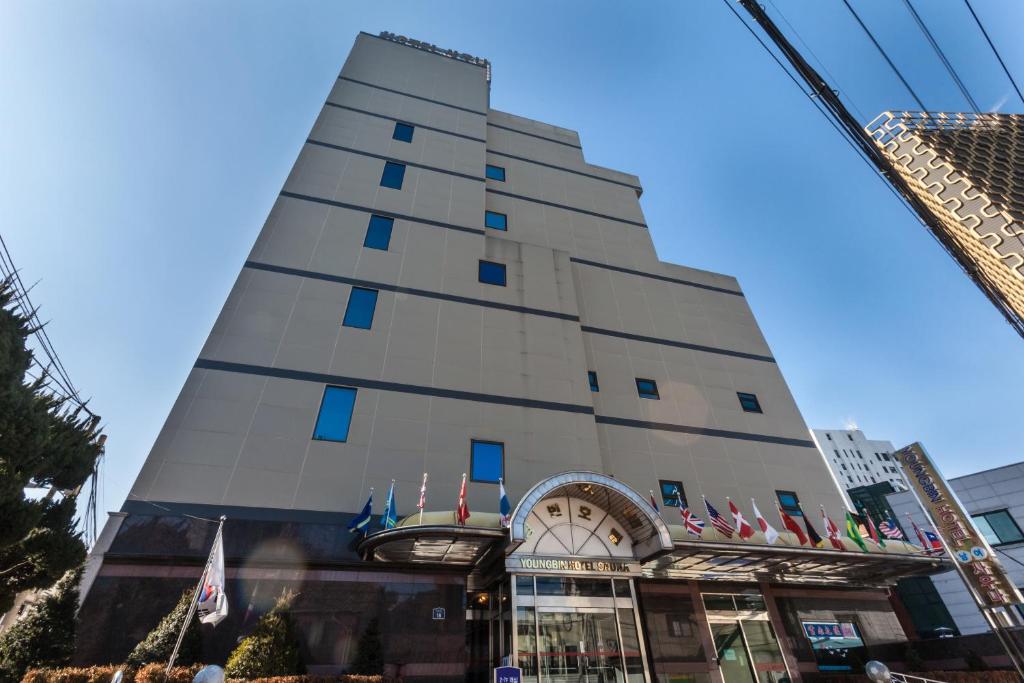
<point x="902" y="614"/>
<point x="775" y="617"/>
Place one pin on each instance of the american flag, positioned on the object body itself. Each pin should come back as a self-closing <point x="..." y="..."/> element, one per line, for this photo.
<point x="723" y="527"/>
<point x="890" y="530"/>
<point x="693" y="523"/>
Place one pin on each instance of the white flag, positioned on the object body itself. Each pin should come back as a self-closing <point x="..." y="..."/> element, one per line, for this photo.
<point x="213" y="604"/>
<point x="770" y="534"/>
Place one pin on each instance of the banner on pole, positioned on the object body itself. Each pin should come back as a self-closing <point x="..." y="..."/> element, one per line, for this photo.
<point x="213" y="604"/>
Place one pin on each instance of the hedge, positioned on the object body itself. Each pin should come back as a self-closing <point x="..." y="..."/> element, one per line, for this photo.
<point x="154" y="673"/>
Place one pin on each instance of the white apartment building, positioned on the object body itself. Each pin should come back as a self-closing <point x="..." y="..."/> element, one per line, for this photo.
<point x="856" y="460"/>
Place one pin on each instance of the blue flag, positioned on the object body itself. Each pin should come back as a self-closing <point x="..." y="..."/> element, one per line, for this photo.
<point x="503" y="505"/>
<point x="389" y="519"/>
<point x="361" y="524"/>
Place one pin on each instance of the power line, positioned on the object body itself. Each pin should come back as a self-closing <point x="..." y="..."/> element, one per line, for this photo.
<point x="994" y="50"/>
<point x="942" y="56"/>
<point x="886" y="57"/>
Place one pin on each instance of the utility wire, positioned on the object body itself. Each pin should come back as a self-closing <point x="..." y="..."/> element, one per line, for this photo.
<point x="994" y="50"/>
<point x="886" y="57"/>
<point x="942" y="57"/>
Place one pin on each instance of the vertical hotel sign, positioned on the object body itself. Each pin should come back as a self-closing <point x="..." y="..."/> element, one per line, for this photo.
<point x="975" y="561"/>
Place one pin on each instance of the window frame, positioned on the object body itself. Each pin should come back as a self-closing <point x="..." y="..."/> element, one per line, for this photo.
<point x="401" y="174"/>
<point x="487" y="172"/>
<point x="654" y="385"/>
<point x="671" y="501"/>
<point x="348" y="308"/>
<point x="480" y="273"/>
<point x="1001" y="511"/>
<point x="595" y="386"/>
<point x="791" y="510"/>
<point x="488" y="214"/>
<point x="320" y="413"/>
<point x="747" y="396"/>
<point x="402" y="125"/>
<point x="375" y="220"/>
<point x="472" y="458"/>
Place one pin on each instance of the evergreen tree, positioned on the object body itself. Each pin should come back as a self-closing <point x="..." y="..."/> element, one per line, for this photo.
<point x="272" y="649"/>
<point x="43" y="444"/>
<point x="45" y="635"/>
<point x="369" y="659"/>
<point x="159" y="644"/>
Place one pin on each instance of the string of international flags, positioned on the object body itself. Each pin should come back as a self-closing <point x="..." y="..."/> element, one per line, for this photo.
<point x="860" y="527"/>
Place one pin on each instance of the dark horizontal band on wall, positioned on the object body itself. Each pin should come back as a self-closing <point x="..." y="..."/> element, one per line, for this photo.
<point x="409" y="121"/>
<point x="563" y="168"/>
<point x="440" y="296"/>
<point x="361" y="383"/>
<point x="702" y="431"/>
<point x="415" y="97"/>
<point x="563" y="206"/>
<point x="137" y="506"/>
<point x="533" y="135"/>
<point x="360" y="152"/>
<point x="381" y="212"/>
<point x="677" y="344"/>
<point x="654" y="276"/>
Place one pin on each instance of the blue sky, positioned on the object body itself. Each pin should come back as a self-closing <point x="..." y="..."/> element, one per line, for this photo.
<point x="143" y="144"/>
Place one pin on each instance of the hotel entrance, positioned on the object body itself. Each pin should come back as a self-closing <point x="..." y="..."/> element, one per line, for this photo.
<point x="577" y="630"/>
<point x="746" y="649"/>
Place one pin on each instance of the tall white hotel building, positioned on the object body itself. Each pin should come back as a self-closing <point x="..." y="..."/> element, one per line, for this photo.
<point x="446" y="288"/>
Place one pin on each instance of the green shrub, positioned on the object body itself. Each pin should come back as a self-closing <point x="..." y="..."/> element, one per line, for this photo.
<point x="159" y="644"/>
<point x="271" y="650"/>
<point x="45" y="636"/>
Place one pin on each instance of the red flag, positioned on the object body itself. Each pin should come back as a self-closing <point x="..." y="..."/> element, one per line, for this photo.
<point x="917" y="530"/>
<point x="792" y="526"/>
<point x="872" y="531"/>
<point x="832" y="531"/>
<point x="743" y="528"/>
<point x="462" y="513"/>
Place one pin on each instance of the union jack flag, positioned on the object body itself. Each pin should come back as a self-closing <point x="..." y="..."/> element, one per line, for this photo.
<point x="694" y="524"/>
<point x="890" y="530"/>
<point x="723" y="527"/>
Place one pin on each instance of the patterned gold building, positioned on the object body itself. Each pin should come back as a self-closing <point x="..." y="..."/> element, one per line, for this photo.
<point x="968" y="169"/>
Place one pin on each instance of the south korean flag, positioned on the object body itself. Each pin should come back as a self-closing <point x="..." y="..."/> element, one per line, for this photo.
<point x="213" y="604"/>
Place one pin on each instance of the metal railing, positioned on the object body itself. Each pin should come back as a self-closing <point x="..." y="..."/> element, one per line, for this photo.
<point x="908" y="678"/>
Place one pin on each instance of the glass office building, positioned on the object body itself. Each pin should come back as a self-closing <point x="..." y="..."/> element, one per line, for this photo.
<point x="449" y="289"/>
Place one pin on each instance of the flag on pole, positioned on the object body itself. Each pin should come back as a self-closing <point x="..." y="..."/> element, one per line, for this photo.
<point x="743" y="528"/>
<point x="361" y="523"/>
<point x="872" y="531"/>
<point x="832" y="531"/>
<point x="462" y="512"/>
<point x="889" y="529"/>
<point x="213" y="604"/>
<point x="853" y="531"/>
<point x="917" y="530"/>
<point x="934" y="546"/>
<point x="721" y="526"/>
<point x="423" y="494"/>
<point x="654" y="502"/>
<point x="694" y="524"/>
<point x="390" y="518"/>
<point x="504" y="508"/>
<point x="790" y="524"/>
<point x="812" y="533"/>
<point x="770" y="534"/>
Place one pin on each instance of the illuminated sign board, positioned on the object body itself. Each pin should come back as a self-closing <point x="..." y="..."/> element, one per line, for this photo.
<point x="571" y="565"/>
<point x="975" y="560"/>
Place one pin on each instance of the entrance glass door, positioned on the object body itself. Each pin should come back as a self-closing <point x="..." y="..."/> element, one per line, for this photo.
<point x="745" y="644"/>
<point x="731" y="653"/>
<point x="579" y="645"/>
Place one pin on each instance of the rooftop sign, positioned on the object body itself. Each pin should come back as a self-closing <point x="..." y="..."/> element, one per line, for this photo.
<point x="430" y="47"/>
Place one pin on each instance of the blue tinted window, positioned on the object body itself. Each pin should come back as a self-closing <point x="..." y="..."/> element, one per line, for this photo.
<point x="335" y="414"/>
<point x="647" y="388"/>
<point x="496" y="173"/>
<point x="487" y="461"/>
<point x="378" y="233"/>
<point x="790" y="503"/>
<point x="493" y="219"/>
<point x="492" y="273"/>
<point x="393" y="175"/>
<point x="749" y="402"/>
<point x="403" y="132"/>
<point x="592" y="378"/>
<point x="361" y="304"/>
<point x="668" y="493"/>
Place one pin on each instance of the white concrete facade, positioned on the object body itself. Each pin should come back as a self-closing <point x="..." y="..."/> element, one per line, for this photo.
<point x="449" y="359"/>
<point x="856" y="460"/>
<point x="990" y="491"/>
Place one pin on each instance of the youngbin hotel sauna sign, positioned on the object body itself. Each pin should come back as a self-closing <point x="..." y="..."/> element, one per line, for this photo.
<point x="561" y="564"/>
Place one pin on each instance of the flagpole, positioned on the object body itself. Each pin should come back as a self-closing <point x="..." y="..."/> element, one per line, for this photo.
<point x="195" y="598"/>
<point x="423" y="497"/>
